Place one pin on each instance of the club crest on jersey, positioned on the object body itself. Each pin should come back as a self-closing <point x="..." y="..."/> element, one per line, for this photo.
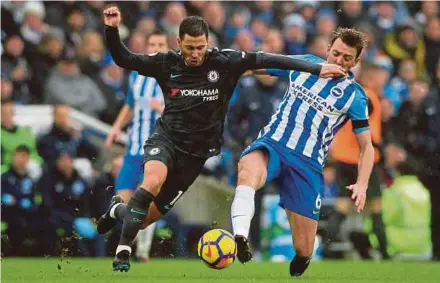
<point x="336" y="91"/>
<point x="213" y="76"/>
<point x="154" y="151"/>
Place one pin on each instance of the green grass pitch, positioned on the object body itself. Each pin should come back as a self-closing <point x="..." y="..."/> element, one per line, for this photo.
<point x="78" y="270"/>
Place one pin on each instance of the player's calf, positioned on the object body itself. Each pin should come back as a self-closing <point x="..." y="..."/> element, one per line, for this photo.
<point x="135" y="214"/>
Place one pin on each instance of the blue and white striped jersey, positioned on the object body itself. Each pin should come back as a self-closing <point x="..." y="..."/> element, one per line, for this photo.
<point x="313" y="110"/>
<point x="140" y="91"/>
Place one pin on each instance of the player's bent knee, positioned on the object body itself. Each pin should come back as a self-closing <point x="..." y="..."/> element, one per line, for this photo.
<point x="252" y="170"/>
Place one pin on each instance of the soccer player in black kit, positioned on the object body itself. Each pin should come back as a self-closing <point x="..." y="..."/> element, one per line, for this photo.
<point x="197" y="84"/>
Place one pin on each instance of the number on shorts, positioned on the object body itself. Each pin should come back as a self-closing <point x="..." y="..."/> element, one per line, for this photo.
<point x="179" y="194"/>
<point x="318" y="202"/>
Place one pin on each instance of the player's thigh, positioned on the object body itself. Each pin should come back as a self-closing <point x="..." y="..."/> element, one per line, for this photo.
<point x="301" y="186"/>
<point x="184" y="173"/>
<point x="159" y="160"/>
<point x="303" y="232"/>
<point x="259" y="164"/>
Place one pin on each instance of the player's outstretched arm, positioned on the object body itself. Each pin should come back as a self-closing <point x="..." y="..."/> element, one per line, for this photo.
<point x="365" y="166"/>
<point x="123" y="57"/>
<point x="276" y="61"/>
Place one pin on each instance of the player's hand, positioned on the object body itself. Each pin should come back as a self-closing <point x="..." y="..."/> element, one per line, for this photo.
<point x="359" y="195"/>
<point x="112" y="16"/>
<point x="114" y="135"/>
<point x="156" y="105"/>
<point x="332" y="71"/>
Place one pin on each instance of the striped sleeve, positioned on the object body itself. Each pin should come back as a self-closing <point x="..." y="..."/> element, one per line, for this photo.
<point x="129" y="99"/>
<point x="358" y="112"/>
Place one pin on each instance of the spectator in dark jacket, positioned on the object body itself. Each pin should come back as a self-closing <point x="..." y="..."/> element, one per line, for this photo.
<point x="66" y="199"/>
<point x="16" y="68"/>
<point x="63" y="137"/>
<point x="257" y="99"/>
<point x="20" y="205"/>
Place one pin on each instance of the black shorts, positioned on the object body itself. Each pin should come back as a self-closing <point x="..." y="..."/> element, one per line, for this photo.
<point x="183" y="169"/>
<point x="346" y="174"/>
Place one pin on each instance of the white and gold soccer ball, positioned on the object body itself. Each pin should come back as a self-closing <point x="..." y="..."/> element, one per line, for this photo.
<point x="217" y="248"/>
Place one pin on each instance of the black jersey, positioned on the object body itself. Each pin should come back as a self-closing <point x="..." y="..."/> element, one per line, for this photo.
<point x="196" y="98"/>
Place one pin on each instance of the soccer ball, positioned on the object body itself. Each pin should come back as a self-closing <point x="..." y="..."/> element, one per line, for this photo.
<point x="217" y="248"/>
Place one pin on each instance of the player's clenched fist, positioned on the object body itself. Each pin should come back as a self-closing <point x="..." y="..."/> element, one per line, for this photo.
<point x="112" y="16"/>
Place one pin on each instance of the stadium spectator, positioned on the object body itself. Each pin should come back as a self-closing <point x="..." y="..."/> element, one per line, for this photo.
<point x="244" y="41"/>
<point x="273" y="41"/>
<point x="15" y="67"/>
<point x="175" y="12"/>
<point x="260" y="30"/>
<point x="325" y="23"/>
<point x="13" y="136"/>
<point x="137" y="40"/>
<point x="113" y="85"/>
<point x="66" y="199"/>
<point x="239" y="20"/>
<point x="432" y="45"/>
<point x="67" y="85"/>
<point x="74" y="26"/>
<point x="318" y="46"/>
<point x="20" y="205"/>
<point x="383" y="17"/>
<point x="7" y="88"/>
<point x="351" y="14"/>
<point x="215" y="14"/>
<point x="405" y="124"/>
<point x="91" y="53"/>
<point x="428" y="136"/>
<point x="295" y="34"/>
<point x="404" y="43"/>
<point x="146" y="25"/>
<point x="49" y="54"/>
<point x="64" y="137"/>
<point x="308" y="10"/>
<point x="406" y="73"/>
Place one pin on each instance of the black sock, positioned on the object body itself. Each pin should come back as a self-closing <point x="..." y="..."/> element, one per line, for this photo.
<point x="298" y="265"/>
<point x="379" y="230"/>
<point x="334" y="224"/>
<point x="135" y="214"/>
<point x="120" y="211"/>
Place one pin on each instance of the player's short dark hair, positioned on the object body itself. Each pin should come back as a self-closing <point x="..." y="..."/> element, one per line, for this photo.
<point x="351" y="37"/>
<point x="193" y="26"/>
<point x="23" y="148"/>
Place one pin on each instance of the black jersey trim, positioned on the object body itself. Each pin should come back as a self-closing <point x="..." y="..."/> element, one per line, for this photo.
<point x="360" y="124"/>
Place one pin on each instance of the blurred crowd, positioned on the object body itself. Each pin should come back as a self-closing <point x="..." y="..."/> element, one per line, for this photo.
<point x="54" y="53"/>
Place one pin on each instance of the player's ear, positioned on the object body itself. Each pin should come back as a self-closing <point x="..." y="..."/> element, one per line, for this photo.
<point x="179" y="42"/>
<point x="356" y="61"/>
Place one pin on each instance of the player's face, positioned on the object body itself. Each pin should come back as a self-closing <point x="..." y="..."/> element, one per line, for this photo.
<point x="343" y="55"/>
<point x="193" y="49"/>
<point x="157" y="43"/>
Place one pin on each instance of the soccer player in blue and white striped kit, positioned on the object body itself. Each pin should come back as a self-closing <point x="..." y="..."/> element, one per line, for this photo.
<point x="143" y="105"/>
<point x="294" y="145"/>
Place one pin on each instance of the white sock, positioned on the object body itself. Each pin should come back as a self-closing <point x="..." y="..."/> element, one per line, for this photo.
<point x="112" y="211"/>
<point x="123" y="248"/>
<point x="242" y="210"/>
<point x="144" y="240"/>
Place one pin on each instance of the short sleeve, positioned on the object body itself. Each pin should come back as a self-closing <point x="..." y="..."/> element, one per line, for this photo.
<point x="129" y="99"/>
<point x="358" y="112"/>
